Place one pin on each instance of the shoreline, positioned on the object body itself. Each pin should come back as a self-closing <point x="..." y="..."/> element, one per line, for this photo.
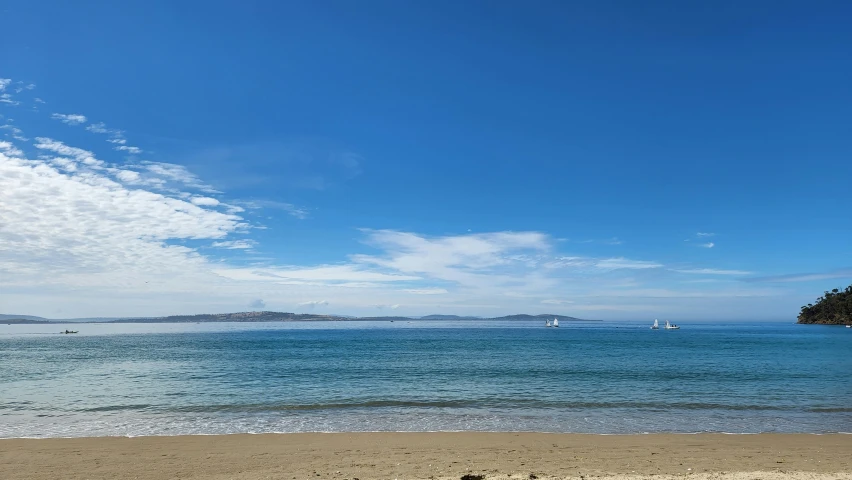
<point x="431" y="432"/>
<point x="437" y="455"/>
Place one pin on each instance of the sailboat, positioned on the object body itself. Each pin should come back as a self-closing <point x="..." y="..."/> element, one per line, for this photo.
<point x="671" y="326"/>
<point x="656" y="325"/>
<point x="547" y="323"/>
<point x="555" y="322"/>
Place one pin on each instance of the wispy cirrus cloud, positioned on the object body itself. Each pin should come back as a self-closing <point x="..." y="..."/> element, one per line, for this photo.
<point x="291" y="209"/>
<point x="804" y="277"/>
<point x="70" y="119"/>
<point x="624" y="263"/>
<point x="99" y="127"/>
<point x="7" y="98"/>
<point x="702" y="236"/>
<point x="235" y="244"/>
<point x="129" y="149"/>
<point x="600" y="264"/>
<point x="711" y="271"/>
<point x="314" y="303"/>
<point x="176" y="174"/>
<point x="426" y="291"/>
<point x="384" y="306"/>
<point x="552" y="301"/>
<point x="14" y="132"/>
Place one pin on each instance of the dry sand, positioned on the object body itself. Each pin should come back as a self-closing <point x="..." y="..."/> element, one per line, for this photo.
<point x="431" y="455"/>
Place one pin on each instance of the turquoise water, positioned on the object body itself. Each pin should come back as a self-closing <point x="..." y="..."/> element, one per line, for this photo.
<point x="149" y="379"/>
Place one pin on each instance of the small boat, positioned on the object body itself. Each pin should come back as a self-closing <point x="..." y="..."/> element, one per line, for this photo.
<point x="555" y="322"/>
<point x="848" y="326"/>
<point x="671" y="326"/>
<point x="656" y="325"/>
<point x="547" y="323"/>
<point x="69" y="331"/>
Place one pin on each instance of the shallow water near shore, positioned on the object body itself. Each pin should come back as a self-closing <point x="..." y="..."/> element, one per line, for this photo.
<point x="172" y="379"/>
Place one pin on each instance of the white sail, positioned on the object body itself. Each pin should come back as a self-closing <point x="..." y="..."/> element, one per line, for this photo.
<point x="555" y="322"/>
<point x="656" y="325"/>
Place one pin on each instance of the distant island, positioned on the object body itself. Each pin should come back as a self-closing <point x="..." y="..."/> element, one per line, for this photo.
<point x="833" y="308"/>
<point x="275" y="317"/>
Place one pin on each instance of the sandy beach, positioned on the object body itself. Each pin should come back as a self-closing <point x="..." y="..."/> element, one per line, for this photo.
<point x="430" y="456"/>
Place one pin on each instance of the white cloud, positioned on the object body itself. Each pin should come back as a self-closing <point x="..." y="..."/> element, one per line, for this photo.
<point x="298" y="212"/>
<point x="259" y="303"/>
<point x="128" y="176"/>
<point x="314" y="303"/>
<point x="624" y="263"/>
<point x="170" y="172"/>
<point x="600" y="264"/>
<point x="708" y="245"/>
<point x="9" y="99"/>
<point x="391" y="307"/>
<point x="99" y="127"/>
<point x="129" y="149"/>
<point x="205" y="201"/>
<point x="117" y="140"/>
<point x="426" y="291"/>
<point x="79" y="155"/>
<point x="236" y="244"/>
<point x="8" y="149"/>
<point x="67" y="228"/>
<point x="14" y="132"/>
<point x="408" y="252"/>
<point x="713" y="271"/>
<point x="325" y="274"/>
<point x="70" y="119"/>
<point x="844" y="273"/>
<point x="551" y="301"/>
<point x="704" y="234"/>
<point x="38" y="100"/>
<point x="4" y="82"/>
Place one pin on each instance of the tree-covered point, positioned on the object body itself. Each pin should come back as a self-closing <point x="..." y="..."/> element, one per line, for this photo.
<point x="833" y="308"/>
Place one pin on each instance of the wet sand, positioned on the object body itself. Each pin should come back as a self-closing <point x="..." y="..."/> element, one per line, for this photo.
<point x="431" y="455"/>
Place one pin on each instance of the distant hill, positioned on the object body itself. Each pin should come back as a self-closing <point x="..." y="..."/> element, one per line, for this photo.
<point x="543" y="317"/>
<point x="833" y="308"/>
<point x="272" y="317"/>
<point x="3" y="317"/>
<point x="381" y="319"/>
<point x="8" y="320"/>
<point x="234" y="317"/>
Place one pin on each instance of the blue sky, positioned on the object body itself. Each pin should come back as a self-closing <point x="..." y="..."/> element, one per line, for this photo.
<point x="614" y="160"/>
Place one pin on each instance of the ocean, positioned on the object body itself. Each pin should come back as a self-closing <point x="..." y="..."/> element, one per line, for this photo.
<point x="607" y="378"/>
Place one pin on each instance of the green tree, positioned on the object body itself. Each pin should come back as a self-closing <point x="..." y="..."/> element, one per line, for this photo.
<point x="833" y="308"/>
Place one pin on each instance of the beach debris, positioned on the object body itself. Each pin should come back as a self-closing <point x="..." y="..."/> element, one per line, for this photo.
<point x="533" y="476"/>
<point x="469" y="476"/>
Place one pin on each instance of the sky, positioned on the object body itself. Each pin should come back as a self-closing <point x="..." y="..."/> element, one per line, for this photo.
<point x="605" y="160"/>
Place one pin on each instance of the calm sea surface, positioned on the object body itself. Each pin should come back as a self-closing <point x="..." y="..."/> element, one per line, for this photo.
<point x="169" y="379"/>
